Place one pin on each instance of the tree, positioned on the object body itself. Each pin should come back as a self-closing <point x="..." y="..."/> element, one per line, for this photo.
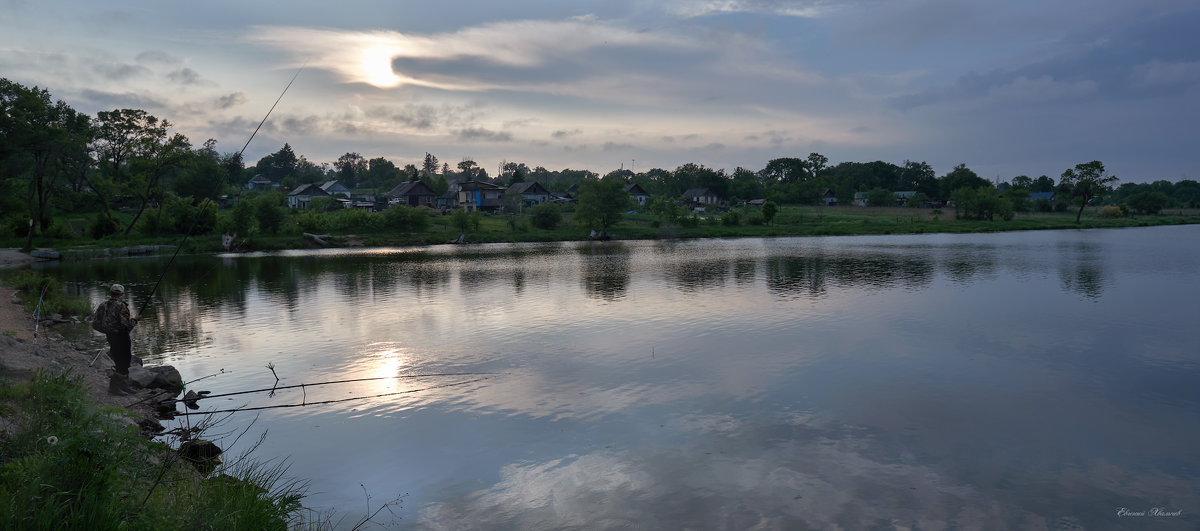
<point x="1149" y="202"/>
<point x="137" y="152"/>
<point x="961" y="177"/>
<point x="350" y="168"/>
<point x="430" y="167"/>
<point x="880" y="197"/>
<point x="42" y="140"/>
<point x="279" y="165"/>
<point x="769" y="209"/>
<point x="601" y="203"/>
<point x="1022" y="182"/>
<point x="468" y="169"/>
<point x="1088" y="180"/>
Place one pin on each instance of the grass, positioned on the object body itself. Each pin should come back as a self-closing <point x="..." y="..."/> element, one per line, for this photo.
<point x="790" y="221"/>
<point x="72" y="465"/>
<point x="36" y="288"/>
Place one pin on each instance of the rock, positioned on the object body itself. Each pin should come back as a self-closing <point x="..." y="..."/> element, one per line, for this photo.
<point x="204" y="455"/>
<point x="142" y="377"/>
<point x="167" y="377"/>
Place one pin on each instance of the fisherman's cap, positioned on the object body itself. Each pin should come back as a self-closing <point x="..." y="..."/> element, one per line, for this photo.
<point x="117" y="289"/>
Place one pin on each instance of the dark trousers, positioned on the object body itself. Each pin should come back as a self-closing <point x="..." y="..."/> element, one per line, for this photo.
<point x="121" y="350"/>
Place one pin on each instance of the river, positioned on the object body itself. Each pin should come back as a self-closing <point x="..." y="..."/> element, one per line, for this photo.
<point x="1025" y="380"/>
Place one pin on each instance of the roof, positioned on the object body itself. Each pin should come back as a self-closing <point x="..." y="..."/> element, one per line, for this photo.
<point x="308" y="189"/>
<point x="529" y="188"/>
<point x="478" y="185"/>
<point x="698" y="192"/>
<point x="905" y="193"/>
<point x="260" y="178"/>
<point x="635" y="189"/>
<point x="1041" y="195"/>
<point x="411" y="188"/>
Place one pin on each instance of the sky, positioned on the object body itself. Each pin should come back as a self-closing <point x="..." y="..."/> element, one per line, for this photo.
<point x="1007" y="88"/>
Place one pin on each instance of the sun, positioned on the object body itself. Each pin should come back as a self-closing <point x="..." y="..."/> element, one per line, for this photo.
<point x="376" y="67"/>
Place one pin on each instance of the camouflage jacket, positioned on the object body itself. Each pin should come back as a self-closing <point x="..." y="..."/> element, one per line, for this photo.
<point x="116" y="316"/>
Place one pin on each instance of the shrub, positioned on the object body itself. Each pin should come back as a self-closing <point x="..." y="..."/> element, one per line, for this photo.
<point x="102" y="226"/>
<point x="731" y="218"/>
<point x="406" y="218"/>
<point x="1109" y="211"/>
<point x="545" y="216"/>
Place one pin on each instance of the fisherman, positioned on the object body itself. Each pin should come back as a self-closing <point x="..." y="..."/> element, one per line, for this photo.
<point x="113" y="319"/>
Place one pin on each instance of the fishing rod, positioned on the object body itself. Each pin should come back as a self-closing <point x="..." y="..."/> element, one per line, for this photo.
<point x="196" y="218"/>
<point x="260" y="408"/>
<point x="403" y="376"/>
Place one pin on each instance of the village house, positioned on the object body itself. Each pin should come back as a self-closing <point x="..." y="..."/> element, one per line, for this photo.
<point x="304" y="193"/>
<point x="412" y="193"/>
<point x="700" y="197"/>
<point x="259" y="182"/>
<point x="479" y="195"/>
<point x="335" y="188"/>
<point x="637" y="194"/>
<point x="532" y="193"/>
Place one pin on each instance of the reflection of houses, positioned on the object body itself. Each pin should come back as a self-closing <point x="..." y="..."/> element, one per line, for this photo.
<point x="304" y="193"/>
<point x="829" y="198"/>
<point x="700" y="197"/>
<point x="637" y="194"/>
<point x="531" y="192"/>
<point x="259" y="182"/>
<point x="412" y="193"/>
<point x="335" y="188"/>
<point x="478" y="195"/>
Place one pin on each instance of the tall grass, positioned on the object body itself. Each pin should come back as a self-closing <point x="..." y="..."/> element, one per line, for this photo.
<point x="72" y="465"/>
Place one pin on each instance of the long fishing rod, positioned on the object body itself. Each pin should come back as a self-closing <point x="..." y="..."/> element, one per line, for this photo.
<point x="302" y="404"/>
<point x="403" y="376"/>
<point x="196" y="218"/>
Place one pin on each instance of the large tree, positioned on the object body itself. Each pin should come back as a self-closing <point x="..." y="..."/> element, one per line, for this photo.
<point x="1087" y="181"/>
<point x="350" y="169"/>
<point x="601" y="202"/>
<point x="135" y="151"/>
<point x="43" y="141"/>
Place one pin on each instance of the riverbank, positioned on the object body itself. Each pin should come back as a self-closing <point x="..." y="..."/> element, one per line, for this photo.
<point x="73" y="456"/>
<point x="501" y="228"/>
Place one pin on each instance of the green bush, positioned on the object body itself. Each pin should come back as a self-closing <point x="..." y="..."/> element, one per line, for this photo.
<point x="732" y="218"/>
<point x="1109" y="211"/>
<point x="406" y="218"/>
<point x="545" y="216"/>
<point x="102" y="226"/>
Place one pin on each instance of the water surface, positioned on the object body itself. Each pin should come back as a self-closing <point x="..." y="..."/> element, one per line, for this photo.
<point x="1010" y="380"/>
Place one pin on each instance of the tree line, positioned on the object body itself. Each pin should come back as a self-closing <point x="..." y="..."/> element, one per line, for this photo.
<point x="55" y="160"/>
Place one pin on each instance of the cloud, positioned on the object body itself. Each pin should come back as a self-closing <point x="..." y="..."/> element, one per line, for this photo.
<point x="114" y="71"/>
<point x="576" y="58"/>
<point x="562" y="133"/>
<point x="158" y="57"/>
<point x="127" y="100"/>
<point x="1158" y="73"/>
<point x="476" y="133"/>
<point x="186" y="76"/>
<point x="615" y="146"/>
<point x="793" y="8"/>
<point x="231" y="100"/>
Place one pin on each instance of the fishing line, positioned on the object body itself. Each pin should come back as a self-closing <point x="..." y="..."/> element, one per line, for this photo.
<point x="259" y="408"/>
<point x="196" y="218"/>
<point x="403" y="376"/>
